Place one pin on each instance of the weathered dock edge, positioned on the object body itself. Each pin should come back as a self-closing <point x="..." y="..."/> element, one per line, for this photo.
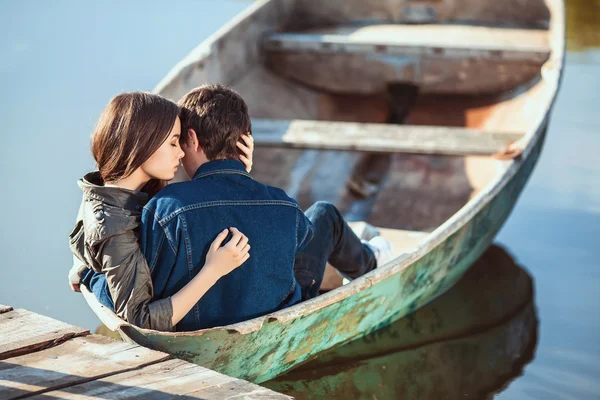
<point x="41" y="355"/>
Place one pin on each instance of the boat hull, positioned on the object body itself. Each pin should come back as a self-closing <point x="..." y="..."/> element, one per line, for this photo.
<point x="469" y="342"/>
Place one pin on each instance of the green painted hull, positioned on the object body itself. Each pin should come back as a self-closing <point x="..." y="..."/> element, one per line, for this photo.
<point x="281" y="344"/>
<point x="469" y="342"/>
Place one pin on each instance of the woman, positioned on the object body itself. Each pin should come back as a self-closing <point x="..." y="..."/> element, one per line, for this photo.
<point x="136" y="147"/>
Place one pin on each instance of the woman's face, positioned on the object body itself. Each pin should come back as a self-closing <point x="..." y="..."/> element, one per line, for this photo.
<point x="163" y="163"/>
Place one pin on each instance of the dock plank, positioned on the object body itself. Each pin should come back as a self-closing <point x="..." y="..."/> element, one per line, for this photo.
<point x="165" y="380"/>
<point x="76" y="361"/>
<point x="239" y="389"/>
<point x="22" y="332"/>
<point x="383" y="138"/>
<point x="4" y="308"/>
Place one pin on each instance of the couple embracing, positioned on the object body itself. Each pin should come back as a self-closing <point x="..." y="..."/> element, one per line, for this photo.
<point x="215" y="250"/>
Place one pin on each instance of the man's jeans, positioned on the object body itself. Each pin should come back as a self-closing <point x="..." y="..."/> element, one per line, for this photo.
<point x="334" y="241"/>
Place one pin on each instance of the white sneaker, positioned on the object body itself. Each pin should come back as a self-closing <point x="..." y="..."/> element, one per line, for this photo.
<point x="382" y="248"/>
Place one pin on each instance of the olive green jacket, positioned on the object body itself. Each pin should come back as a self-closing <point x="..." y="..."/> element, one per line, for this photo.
<point x="105" y="239"/>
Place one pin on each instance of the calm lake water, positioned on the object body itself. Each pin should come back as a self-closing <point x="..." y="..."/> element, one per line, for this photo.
<point x="60" y="62"/>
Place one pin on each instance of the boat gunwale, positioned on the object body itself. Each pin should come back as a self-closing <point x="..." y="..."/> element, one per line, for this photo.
<point x="551" y="75"/>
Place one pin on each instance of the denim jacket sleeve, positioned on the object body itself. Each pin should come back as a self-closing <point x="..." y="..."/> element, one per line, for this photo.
<point x="157" y="248"/>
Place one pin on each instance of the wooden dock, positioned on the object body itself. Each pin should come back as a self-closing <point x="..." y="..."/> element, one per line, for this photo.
<point x="40" y="355"/>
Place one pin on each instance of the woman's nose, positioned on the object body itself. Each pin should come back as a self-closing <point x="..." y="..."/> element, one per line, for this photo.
<point x="181" y="153"/>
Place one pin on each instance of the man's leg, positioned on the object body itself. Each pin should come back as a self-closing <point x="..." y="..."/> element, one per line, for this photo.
<point x="335" y="242"/>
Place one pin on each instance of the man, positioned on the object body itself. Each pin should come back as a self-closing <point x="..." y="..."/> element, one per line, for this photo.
<point x="290" y="249"/>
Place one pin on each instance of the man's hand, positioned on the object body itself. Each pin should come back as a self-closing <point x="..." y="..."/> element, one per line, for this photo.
<point x="246" y="145"/>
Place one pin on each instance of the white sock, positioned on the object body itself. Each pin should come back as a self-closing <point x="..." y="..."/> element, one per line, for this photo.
<point x="382" y="248"/>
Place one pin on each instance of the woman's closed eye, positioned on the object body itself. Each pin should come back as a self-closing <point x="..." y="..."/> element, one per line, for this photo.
<point x="175" y="140"/>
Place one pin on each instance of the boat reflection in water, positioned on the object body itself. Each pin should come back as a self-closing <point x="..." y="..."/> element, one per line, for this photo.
<point x="468" y="343"/>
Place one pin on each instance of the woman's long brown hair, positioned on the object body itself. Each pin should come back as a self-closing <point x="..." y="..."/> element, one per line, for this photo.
<point x="131" y="128"/>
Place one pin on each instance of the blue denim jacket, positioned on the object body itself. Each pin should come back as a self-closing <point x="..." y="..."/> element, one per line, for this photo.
<point x="182" y="220"/>
<point x="180" y="223"/>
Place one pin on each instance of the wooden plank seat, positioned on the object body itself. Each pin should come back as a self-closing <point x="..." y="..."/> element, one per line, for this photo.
<point x="447" y="41"/>
<point x="379" y="138"/>
<point x="438" y="58"/>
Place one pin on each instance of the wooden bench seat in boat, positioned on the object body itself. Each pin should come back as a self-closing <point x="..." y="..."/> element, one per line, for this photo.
<point x="437" y="58"/>
<point x="382" y="138"/>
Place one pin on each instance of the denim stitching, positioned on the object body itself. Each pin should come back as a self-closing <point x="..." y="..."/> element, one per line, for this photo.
<point x="188" y="248"/>
<point x="222" y="171"/>
<point x="311" y="231"/>
<point x="155" y="258"/>
<point x="190" y="265"/>
<point x="166" y="232"/>
<point x="292" y="289"/>
<point x="197" y="315"/>
<point x="296" y="233"/>
<point x="170" y="240"/>
<point x="217" y="203"/>
<point x="149" y="209"/>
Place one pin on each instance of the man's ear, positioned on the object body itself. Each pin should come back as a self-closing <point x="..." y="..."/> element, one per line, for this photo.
<point x="191" y="140"/>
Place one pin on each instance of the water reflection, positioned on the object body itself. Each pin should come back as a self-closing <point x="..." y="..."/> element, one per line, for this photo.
<point x="583" y="20"/>
<point x="469" y="343"/>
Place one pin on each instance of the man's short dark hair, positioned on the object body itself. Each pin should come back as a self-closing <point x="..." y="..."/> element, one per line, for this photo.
<point x="219" y="116"/>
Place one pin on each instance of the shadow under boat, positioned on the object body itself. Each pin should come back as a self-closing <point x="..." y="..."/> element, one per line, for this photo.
<point x="470" y="342"/>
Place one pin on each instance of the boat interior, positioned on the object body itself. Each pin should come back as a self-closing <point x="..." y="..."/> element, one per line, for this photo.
<point x="398" y="112"/>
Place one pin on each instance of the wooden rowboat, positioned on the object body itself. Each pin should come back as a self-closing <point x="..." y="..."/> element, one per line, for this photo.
<point x="468" y="343"/>
<point x="393" y="111"/>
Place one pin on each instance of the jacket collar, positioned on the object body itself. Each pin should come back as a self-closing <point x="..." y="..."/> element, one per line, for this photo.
<point x="93" y="187"/>
<point x="226" y="166"/>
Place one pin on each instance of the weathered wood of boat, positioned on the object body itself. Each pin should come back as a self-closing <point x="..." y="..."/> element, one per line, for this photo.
<point x="468" y="343"/>
<point x="392" y="111"/>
